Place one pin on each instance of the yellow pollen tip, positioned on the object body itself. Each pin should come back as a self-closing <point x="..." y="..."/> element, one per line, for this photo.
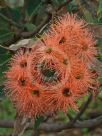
<point x="65" y="61"/>
<point x="49" y="50"/>
<point x="35" y="92"/>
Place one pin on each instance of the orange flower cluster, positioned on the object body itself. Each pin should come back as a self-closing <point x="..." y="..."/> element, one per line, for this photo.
<point x="56" y="72"/>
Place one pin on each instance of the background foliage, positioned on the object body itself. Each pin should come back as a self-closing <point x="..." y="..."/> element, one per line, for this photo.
<point x="28" y="12"/>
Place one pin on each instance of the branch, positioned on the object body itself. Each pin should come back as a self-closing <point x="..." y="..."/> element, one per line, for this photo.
<point x="56" y="127"/>
<point x="23" y="12"/>
<point x="64" y="4"/>
<point x="20" y="124"/>
<point x="46" y="19"/>
<point x="10" y="21"/>
<point x="89" y="6"/>
<point x="35" y="133"/>
<point x="23" y="34"/>
<point x="30" y="34"/>
<point x="6" y="48"/>
<point x="82" y="109"/>
<point x="14" y="39"/>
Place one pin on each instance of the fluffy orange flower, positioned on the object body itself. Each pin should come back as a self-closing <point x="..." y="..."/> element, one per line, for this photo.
<point x="70" y="35"/>
<point x="18" y="65"/>
<point x="57" y="72"/>
<point x="61" y="100"/>
<point x="81" y="79"/>
<point x="48" y="68"/>
<point x="64" y="32"/>
<point x="27" y="98"/>
<point x="86" y="48"/>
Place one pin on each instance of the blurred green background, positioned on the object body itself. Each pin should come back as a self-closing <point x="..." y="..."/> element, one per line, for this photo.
<point x="17" y="10"/>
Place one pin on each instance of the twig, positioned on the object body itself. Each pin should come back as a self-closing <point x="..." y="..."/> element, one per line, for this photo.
<point x="6" y="61"/>
<point x="20" y="124"/>
<point x="6" y="48"/>
<point x="23" y="12"/>
<point x="64" y="4"/>
<point x="33" y="14"/>
<point x="46" y="19"/>
<point x="35" y="133"/>
<point x="82" y="109"/>
<point x="10" y="21"/>
<point x="23" y="34"/>
<point x="88" y="5"/>
<point x="69" y="116"/>
<point x="30" y="34"/>
<point x="56" y="127"/>
<point x="14" y="39"/>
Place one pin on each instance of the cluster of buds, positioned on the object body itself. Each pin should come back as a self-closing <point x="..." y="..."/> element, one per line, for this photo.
<point x="56" y="72"/>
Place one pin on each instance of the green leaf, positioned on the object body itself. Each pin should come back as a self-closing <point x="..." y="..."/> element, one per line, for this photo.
<point x="5" y="35"/>
<point x="99" y="43"/>
<point x="71" y="6"/>
<point x="32" y="6"/>
<point x="38" y="121"/>
<point x="88" y="16"/>
<point x="99" y="12"/>
<point x="63" y="116"/>
<point x="14" y="3"/>
<point x="85" y="131"/>
<point x="34" y="10"/>
<point x="2" y="4"/>
<point x="4" y="58"/>
<point x="3" y="24"/>
<point x="30" y="27"/>
<point x="2" y="95"/>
